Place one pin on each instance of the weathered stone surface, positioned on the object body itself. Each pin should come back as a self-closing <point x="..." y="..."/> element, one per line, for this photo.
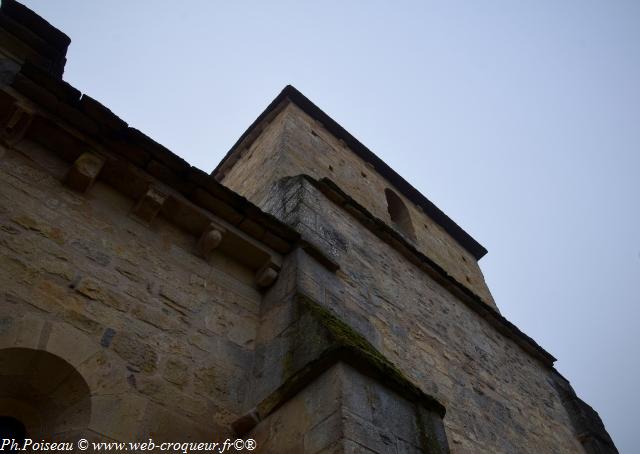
<point x="135" y="352"/>
<point x="209" y="240"/>
<point x="69" y="343"/>
<point x="176" y="372"/>
<point x="117" y="417"/>
<point x="94" y="290"/>
<point x="266" y="276"/>
<point x="16" y="125"/>
<point x="164" y="344"/>
<point x="106" y="374"/>
<point x="323" y="416"/>
<point x="434" y="340"/>
<point x="149" y="205"/>
<point x="294" y="144"/>
<point x="84" y="172"/>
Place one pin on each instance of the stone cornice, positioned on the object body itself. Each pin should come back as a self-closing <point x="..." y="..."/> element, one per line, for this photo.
<point x="100" y="146"/>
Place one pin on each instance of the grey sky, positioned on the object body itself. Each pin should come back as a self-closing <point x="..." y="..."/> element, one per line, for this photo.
<point x="520" y="120"/>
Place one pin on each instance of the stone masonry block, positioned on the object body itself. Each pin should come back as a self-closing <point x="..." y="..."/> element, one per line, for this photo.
<point x="84" y="171"/>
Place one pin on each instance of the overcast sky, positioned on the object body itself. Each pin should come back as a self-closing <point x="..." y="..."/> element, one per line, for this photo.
<point x="520" y="120"/>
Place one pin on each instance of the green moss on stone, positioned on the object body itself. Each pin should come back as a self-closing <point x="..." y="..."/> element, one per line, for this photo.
<point x="328" y="340"/>
<point x="357" y="349"/>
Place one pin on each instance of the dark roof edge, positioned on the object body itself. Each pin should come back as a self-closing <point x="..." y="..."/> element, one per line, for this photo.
<point x="292" y="94"/>
<point x="36" y="24"/>
<point x="98" y="123"/>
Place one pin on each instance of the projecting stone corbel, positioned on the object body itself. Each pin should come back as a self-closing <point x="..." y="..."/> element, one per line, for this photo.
<point x="266" y="275"/>
<point x="84" y="171"/>
<point x="17" y="125"/>
<point x="209" y="240"/>
<point x="149" y="205"/>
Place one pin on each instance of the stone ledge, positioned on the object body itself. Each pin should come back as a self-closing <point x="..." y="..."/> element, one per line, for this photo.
<point x="143" y="159"/>
<point x="98" y="127"/>
<point x="398" y="242"/>
<point x="320" y="341"/>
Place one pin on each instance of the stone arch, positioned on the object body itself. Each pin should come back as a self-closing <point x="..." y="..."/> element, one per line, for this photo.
<point x="112" y="407"/>
<point x="44" y="393"/>
<point x="399" y="214"/>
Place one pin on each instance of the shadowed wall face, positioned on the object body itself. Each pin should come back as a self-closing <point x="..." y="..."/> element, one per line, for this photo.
<point x="45" y="395"/>
<point x="160" y="336"/>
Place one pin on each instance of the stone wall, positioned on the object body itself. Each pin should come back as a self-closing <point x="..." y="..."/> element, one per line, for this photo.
<point x="141" y="298"/>
<point x="162" y="337"/>
<point x="498" y="397"/>
<point x="344" y="412"/>
<point x="293" y="143"/>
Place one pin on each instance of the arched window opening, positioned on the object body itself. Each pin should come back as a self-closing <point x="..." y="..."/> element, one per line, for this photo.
<point x="41" y="395"/>
<point x="399" y="214"/>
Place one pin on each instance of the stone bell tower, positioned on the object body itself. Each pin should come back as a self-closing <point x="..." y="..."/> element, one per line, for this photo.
<point x="405" y="277"/>
<point x="294" y="137"/>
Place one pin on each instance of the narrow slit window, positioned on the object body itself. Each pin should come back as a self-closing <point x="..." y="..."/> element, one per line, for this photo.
<point x="399" y="214"/>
